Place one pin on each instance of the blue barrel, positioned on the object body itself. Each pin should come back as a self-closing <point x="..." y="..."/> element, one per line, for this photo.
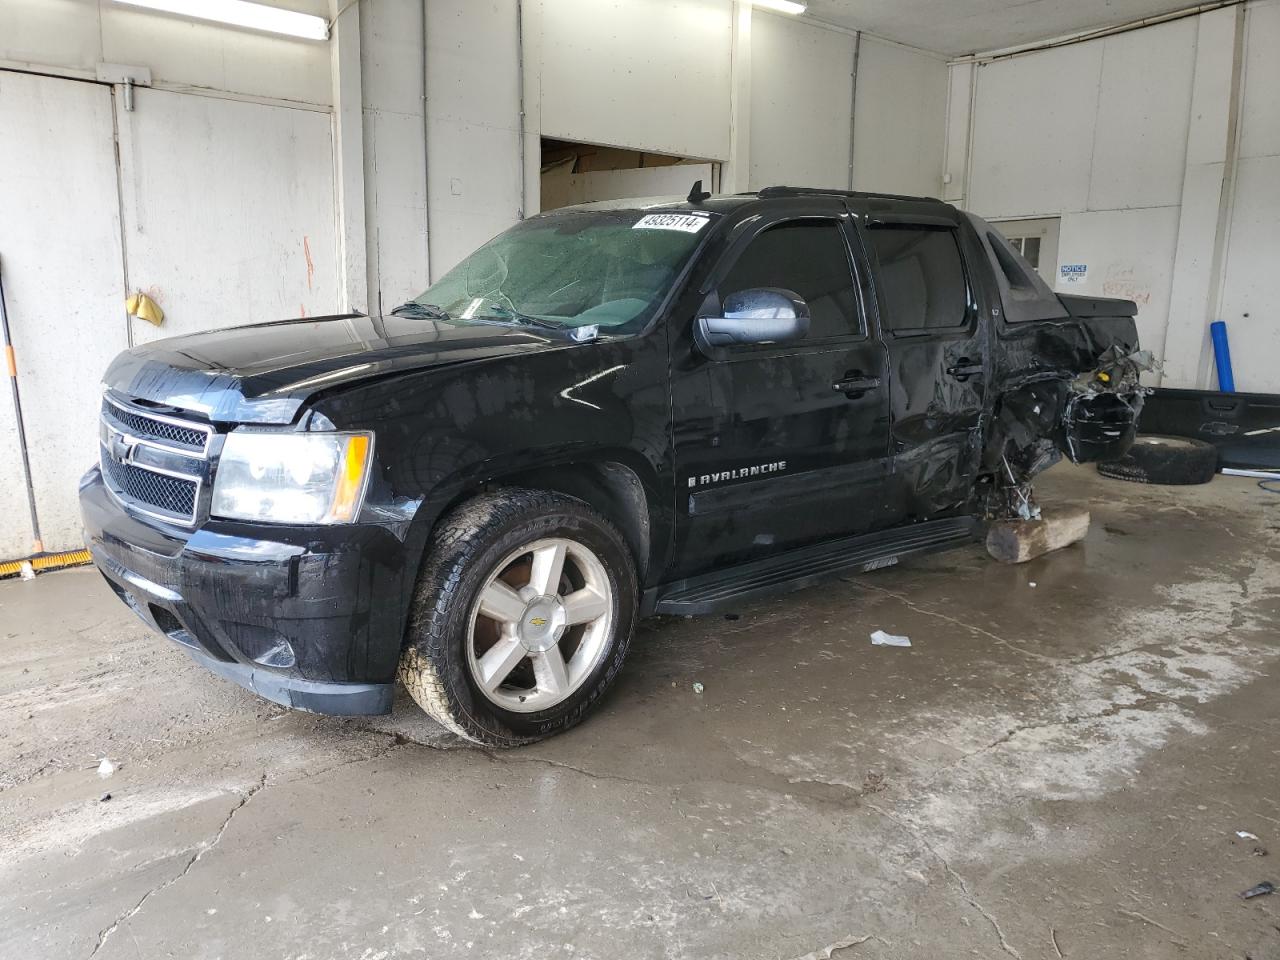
<point x="1222" y="356"/>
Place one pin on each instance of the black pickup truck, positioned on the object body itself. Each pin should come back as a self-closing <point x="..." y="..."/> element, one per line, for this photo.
<point x="609" y="411"/>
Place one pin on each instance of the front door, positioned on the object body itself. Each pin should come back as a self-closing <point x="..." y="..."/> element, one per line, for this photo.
<point x="782" y="444"/>
<point x="935" y="334"/>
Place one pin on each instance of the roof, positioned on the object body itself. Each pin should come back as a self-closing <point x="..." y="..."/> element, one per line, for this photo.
<point x="724" y="203"/>
<point x="765" y="193"/>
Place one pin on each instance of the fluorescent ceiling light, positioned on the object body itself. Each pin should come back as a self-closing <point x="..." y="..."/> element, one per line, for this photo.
<point x="785" y="6"/>
<point x="242" y="13"/>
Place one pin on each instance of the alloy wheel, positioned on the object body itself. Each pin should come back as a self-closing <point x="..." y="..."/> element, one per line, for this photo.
<point x="540" y="625"/>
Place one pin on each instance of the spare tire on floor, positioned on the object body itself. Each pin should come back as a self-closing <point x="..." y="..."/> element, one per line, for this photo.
<point x="1155" y="458"/>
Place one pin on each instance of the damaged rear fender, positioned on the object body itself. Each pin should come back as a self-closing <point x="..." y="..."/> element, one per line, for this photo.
<point x="1088" y="417"/>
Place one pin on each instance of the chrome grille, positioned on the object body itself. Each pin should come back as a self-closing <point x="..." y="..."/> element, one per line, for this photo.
<point x="152" y="463"/>
<point x="172" y="495"/>
<point x="167" y="430"/>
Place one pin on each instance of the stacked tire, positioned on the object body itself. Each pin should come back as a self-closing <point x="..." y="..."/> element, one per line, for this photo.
<point x="1165" y="460"/>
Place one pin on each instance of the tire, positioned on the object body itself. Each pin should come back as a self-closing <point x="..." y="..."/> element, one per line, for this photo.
<point x="485" y="557"/>
<point x="1173" y="461"/>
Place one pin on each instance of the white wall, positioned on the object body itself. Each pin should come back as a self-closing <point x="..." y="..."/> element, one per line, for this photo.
<point x="644" y="74"/>
<point x="802" y="94"/>
<point x="63" y="278"/>
<point x="899" y="119"/>
<point x="1127" y="139"/>
<point x="392" y="66"/>
<point x="801" y="103"/>
<point x="657" y="75"/>
<point x="1250" y="294"/>
<point x="79" y="34"/>
<point x="228" y="211"/>
<point x="1095" y="133"/>
<point x="660" y="76"/>
<point x="473" y="137"/>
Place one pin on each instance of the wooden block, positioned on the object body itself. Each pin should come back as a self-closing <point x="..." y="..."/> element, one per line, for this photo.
<point x="1017" y="541"/>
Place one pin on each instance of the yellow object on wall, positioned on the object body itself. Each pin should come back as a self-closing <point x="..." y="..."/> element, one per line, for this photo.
<point x="144" y="308"/>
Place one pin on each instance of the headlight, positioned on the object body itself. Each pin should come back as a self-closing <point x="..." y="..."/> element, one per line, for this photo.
<point x="292" y="477"/>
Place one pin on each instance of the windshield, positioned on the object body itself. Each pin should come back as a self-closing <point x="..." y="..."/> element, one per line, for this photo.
<point x="609" y="269"/>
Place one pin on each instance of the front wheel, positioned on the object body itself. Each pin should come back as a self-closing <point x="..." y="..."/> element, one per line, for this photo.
<point x="521" y="617"/>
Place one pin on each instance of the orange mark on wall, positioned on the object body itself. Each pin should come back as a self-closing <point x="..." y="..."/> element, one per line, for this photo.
<point x="311" y="267"/>
<point x="1124" y="281"/>
<point x="302" y="309"/>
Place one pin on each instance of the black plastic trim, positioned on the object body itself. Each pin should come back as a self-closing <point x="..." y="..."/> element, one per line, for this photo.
<point x="331" y="699"/>
<point x="796" y="569"/>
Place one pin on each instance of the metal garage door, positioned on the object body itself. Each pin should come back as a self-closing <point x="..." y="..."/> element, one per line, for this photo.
<point x="228" y="218"/>
<point x="228" y="209"/>
<point x="64" y="283"/>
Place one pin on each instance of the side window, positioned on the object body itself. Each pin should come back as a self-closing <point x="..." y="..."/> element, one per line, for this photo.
<point x="808" y="257"/>
<point x="921" y="283"/>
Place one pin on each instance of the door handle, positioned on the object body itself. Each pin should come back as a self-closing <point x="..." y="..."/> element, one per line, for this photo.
<point x="963" y="369"/>
<point x="854" y="384"/>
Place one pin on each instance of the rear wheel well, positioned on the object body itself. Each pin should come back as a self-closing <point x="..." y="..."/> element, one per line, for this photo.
<point x="611" y="488"/>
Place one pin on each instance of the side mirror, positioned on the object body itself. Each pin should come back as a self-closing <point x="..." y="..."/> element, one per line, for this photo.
<point x="763" y="315"/>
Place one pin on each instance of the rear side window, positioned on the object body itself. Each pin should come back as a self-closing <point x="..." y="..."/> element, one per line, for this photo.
<point x="808" y="257"/>
<point x="1019" y="278"/>
<point x="922" y="284"/>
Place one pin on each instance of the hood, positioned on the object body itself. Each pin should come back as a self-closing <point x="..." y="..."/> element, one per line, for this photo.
<point x="264" y="373"/>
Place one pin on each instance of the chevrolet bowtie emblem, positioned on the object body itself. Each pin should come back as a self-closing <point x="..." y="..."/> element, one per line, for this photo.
<point x="122" y="447"/>
<point x="538" y="622"/>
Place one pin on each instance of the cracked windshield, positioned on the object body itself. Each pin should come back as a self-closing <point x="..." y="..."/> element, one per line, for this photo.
<point x="609" y="269"/>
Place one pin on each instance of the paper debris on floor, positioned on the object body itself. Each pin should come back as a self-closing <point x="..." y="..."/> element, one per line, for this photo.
<point x="882" y="639"/>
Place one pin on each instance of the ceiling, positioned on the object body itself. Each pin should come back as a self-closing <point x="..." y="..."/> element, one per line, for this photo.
<point x="957" y="27"/>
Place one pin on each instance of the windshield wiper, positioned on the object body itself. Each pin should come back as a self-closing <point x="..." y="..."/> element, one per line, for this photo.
<point x="421" y="311"/>
<point x="500" y="315"/>
<point x="508" y="315"/>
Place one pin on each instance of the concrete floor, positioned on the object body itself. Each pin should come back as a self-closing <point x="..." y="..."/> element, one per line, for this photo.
<point x="1056" y="768"/>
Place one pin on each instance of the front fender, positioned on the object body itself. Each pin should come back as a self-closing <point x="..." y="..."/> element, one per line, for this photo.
<point x="445" y="433"/>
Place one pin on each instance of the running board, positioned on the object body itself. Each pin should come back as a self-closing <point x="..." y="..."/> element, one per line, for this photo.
<point x="796" y="569"/>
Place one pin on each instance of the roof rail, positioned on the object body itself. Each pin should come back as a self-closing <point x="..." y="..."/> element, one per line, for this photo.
<point x="783" y="191"/>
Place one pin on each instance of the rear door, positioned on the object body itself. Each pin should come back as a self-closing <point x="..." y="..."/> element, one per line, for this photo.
<point x="926" y="295"/>
<point x="781" y="444"/>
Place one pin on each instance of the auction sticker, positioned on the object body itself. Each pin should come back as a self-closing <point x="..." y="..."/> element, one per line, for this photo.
<point x="684" y="222"/>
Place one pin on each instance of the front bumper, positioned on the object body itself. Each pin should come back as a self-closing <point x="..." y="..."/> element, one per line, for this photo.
<point x="310" y="618"/>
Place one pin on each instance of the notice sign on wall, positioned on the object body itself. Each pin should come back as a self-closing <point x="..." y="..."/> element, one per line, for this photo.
<point x="1073" y="273"/>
